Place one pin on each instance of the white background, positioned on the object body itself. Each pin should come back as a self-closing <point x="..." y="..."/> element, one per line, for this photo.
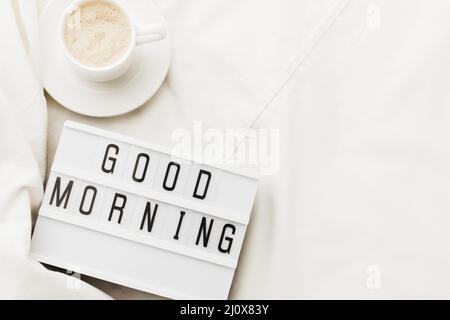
<point x="363" y="112"/>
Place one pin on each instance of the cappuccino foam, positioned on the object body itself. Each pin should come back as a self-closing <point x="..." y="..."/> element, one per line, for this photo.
<point x="97" y="33"/>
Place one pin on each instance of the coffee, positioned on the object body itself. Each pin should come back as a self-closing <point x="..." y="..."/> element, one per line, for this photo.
<point x="97" y="33"/>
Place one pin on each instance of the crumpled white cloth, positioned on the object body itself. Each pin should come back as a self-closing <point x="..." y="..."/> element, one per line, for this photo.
<point x="23" y="140"/>
<point x="359" y="91"/>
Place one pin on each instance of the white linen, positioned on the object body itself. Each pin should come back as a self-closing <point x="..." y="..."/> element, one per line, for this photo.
<point x="23" y="131"/>
<point x="358" y="90"/>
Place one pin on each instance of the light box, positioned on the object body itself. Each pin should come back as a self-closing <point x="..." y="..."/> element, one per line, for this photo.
<point x="129" y="212"/>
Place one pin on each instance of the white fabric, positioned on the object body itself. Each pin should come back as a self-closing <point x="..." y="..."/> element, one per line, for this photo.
<point x="23" y="132"/>
<point x="358" y="89"/>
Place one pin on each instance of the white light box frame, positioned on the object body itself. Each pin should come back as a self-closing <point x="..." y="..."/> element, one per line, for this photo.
<point x="127" y="211"/>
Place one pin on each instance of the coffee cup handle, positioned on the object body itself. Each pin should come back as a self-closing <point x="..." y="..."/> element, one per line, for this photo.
<point x="149" y="33"/>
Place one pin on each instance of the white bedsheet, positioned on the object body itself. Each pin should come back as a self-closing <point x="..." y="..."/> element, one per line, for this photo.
<point x="23" y="133"/>
<point x="359" y="91"/>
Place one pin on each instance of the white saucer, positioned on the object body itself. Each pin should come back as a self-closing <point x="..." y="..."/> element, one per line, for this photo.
<point x="111" y="98"/>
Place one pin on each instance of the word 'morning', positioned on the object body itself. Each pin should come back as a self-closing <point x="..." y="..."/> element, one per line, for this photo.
<point x="140" y="169"/>
<point x="60" y="199"/>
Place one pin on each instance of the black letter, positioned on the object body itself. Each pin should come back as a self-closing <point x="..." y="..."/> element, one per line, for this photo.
<point x="92" y="200"/>
<point x="56" y="191"/>
<point x="113" y="160"/>
<point x="202" y="231"/>
<point x="149" y="217"/>
<point x="119" y="208"/>
<point x="144" y="172"/>
<point x="202" y="196"/>
<point x="229" y="239"/>
<point x="180" y="220"/>
<point x="167" y="175"/>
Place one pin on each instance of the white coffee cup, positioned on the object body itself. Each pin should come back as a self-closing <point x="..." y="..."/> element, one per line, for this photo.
<point x="139" y="35"/>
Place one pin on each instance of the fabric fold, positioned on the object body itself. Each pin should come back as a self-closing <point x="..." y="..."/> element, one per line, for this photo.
<point x="23" y="140"/>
